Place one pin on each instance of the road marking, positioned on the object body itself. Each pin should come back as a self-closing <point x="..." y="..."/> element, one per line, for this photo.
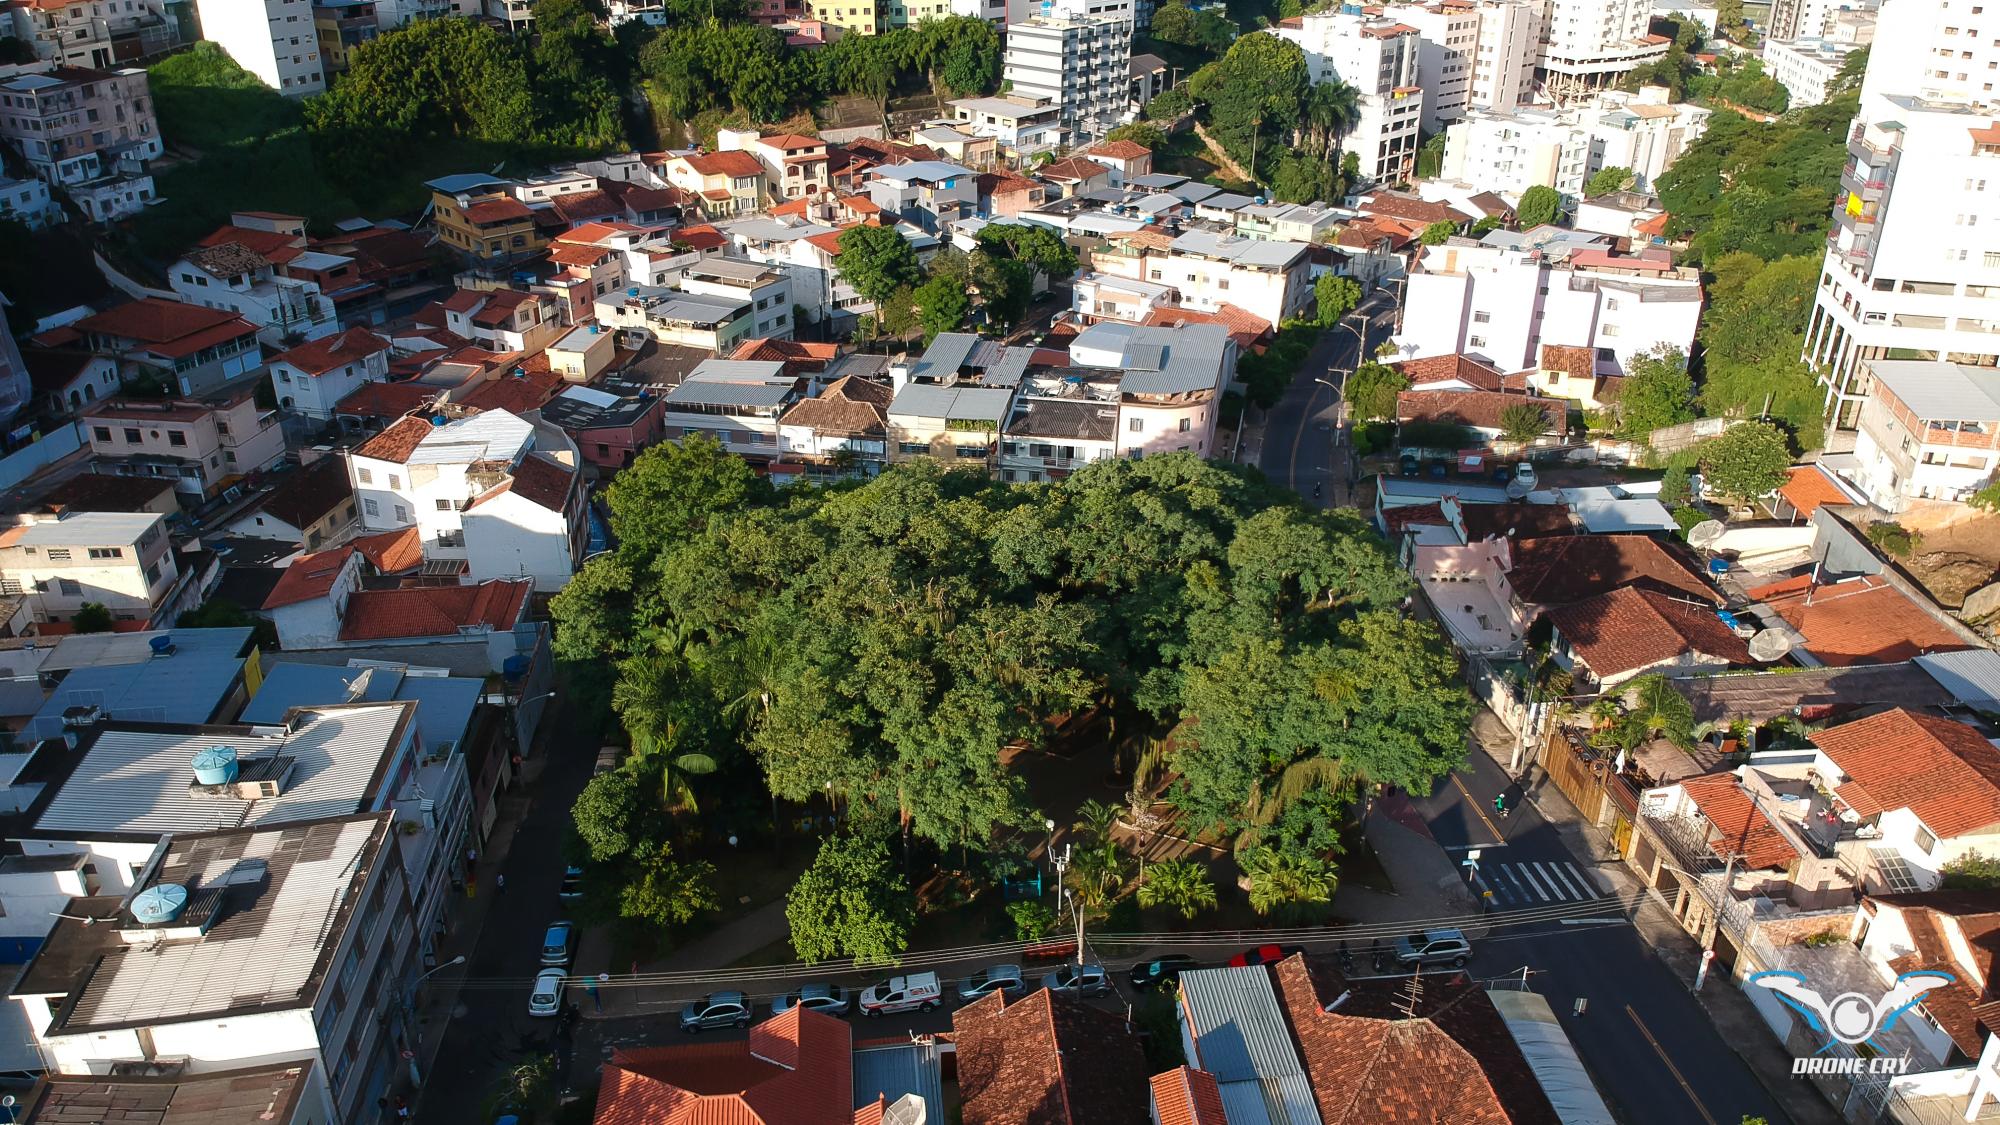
<point x="1534" y="881"/>
<point x="1671" y="1068"/>
<point x="1474" y="806"/>
<point x="1588" y="885"/>
<point x="1553" y="872"/>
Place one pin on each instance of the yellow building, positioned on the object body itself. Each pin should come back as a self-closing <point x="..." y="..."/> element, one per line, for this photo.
<point x="857" y="17"/>
<point x="479" y="217"/>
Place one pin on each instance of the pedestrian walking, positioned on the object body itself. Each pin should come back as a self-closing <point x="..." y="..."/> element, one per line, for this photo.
<point x="499" y="884"/>
<point x="596" y="1001"/>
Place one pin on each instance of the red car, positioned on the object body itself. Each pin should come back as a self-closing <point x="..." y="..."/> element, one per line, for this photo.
<point x="1265" y="955"/>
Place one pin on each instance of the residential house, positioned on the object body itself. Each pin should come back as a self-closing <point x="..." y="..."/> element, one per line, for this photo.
<point x="1949" y="932"/>
<point x="737" y="402"/>
<point x="490" y="490"/>
<point x="1643" y="132"/>
<point x="767" y="289"/>
<point x="198" y="349"/>
<point x="504" y="320"/>
<point x="714" y="324"/>
<point x="929" y="194"/>
<point x="202" y="445"/>
<point x="1127" y="160"/>
<point x="1047" y="1059"/>
<point x="1075" y="176"/>
<point x="724" y="184"/>
<point x="66" y="380"/>
<point x="1504" y="301"/>
<point x="1288" y="222"/>
<point x="1023" y="126"/>
<point x="793" y="165"/>
<point x="323" y="613"/>
<point x="1205" y="271"/>
<point x="1631" y="631"/>
<point x="1233" y="1028"/>
<point x="310" y="508"/>
<point x="1484" y="413"/>
<point x="1004" y="194"/>
<point x="28" y="202"/>
<point x="121" y="561"/>
<point x="93" y="33"/>
<point x="609" y="429"/>
<point x="840" y="431"/>
<point x="1929" y="430"/>
<point x="1862" y="619"/>
<point x="89" y="133"/>
<point x="339" y="26"/>
<point x="479" y="217"/>
<point x="1587" y="377"/>
<point x="968" y="149"/>
<point x="97" y="492"/>
<point x="805" y="250"/>
<point x="1169" y="385"/>
<point x="583" y="354"/>
<point x="312" y="378"/>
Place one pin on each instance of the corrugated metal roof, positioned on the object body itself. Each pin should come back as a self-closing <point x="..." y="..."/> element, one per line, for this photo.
<point x="186" y="687"/>
<point x="893" y="1071"/>
<point x="963" y="404"/>
<point x="1971" y="676"/>
<point x="947" y="353"/>
<point x="261" y="952"/>
<point x="1941" y="390"/>
<point x="1240" y="1037"/>
<point x="490" y="435"/>
<point x="89" y="529"/>
<point x="1552" y="1057"/>
<point x="444" y="703"/>
<point x="136" y="781"/>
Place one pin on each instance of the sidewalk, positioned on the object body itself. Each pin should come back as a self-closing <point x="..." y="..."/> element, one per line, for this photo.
<point x="1725" y="1005"/>
<point x="716" y="949"/>
<point x="1427" y="885"/>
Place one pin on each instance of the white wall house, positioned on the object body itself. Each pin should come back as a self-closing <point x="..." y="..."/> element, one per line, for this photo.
<point x="311" y="378"/>
<point x="1562" y="149"/>
<point x="738" y="402"/>
<point x="1930" y="430"/>
<point x="1022" y="125"/>
<point x="1377" y="55"/>
<point x="1269" y="279"/>
<point x="1805" y="67"/>
<point x="119" y="560"/>
<point x="235" y="278"/>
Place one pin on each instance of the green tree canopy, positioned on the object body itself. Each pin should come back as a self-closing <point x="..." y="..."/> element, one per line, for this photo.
<point x="1438" y="233"/>
<point x="1608" y="180"/>
<point x="1752" y="336"/>
<point x="1746" y="461"/>
<point x="942" y="304"/>
<point x="852" y="902"/>
<point x="1539" y="206"/>
<point x="1658" y="392"/>
<point x="876" y="261"/>
<point x="1767" y="190"/>
<point x="1254" y="96"/>
<point x="1139" y="133"/>
<point x="1372" y="390"/>
<point x="92" y="617"/>
<point x="1524" y="422"/>
<point x="1335" y="297"/>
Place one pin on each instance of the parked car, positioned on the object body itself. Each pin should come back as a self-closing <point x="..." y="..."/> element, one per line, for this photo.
<point x="717" y="1009"/>
<point x="559" y="943"/>
<point x="607" y="760"/>
<point x="545" y="999"/>
<point x="1166" y="970"/>
<point x="1440" y="468"/>
<point x="572" y="884"/>
<point x="1525" y="474"/>
<point x="915" y="992"/>
<point x="1078" y="980"/>
<point x="1434" y="947"/>
<point x="1410" y="466"/>
<point x="830" y="999"/>
<point x="1264" y="955"/>
<point x="992" y="978"/>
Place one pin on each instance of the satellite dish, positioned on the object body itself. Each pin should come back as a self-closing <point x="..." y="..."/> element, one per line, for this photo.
<point x="1705" y="534"/>
<point x="1769" y="645"/>
<point x="1517" y="489"/>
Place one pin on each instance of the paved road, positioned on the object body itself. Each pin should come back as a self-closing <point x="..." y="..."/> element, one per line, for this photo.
<point x="1653" y="1051"/>
<point x="1299" y="435"/>
<point x="490" y="1029"/>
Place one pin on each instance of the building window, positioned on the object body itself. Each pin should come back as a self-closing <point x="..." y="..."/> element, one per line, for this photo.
<point x="58" y="554"/>
<point x="152" y="574"/>
<point x="69" y="587"/>
<point x="369" y="506"/>
<point x="107" y="552"/>
<point x="402" y="514"/>
<point x="1137" y="425"/>
<point x="131" y="436"/>
<point x="445" y="505"/>
<point x="1481" y="317"/>
<point x="395" y="481"/>
<point x="364" y="476"/>
<point x="177" y="439"/>
<point x="103" y="433"/>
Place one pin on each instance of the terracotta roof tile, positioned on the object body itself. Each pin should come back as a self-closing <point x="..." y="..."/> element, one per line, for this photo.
<point x="538" y="480"/>
<point x="171" y="328"/>
<point x="306" y="496"/>
<point x="794" y="1069"/>
<point x="1862" y="620"/>
<point x="583" y="206"/>
<point x="735" y="164"/>
<point x="1943" y="771"/>
<point x="1629" y="629"/>
<point x="1559" y="570"/>
<point x="1482" y="409"/>
<point x="1443" y="368"/>
<point x="852" y="405"/>
<point x="1047" y="1060"/>
<point x="397" y="442"/>
<point x="516" y="394"/>
<point x="1412" y="208"/>
<point x="1806" y="487"/>
<point x="309" y="576"/>
<point x="317" y="357"/>
<point x="501" y="209"/>
<point x="1574" y="362"/>
<point x="1741" y="825"/>
<point x="1119" y="150"/>
<point x="800" y="357"/>
<point x="1186" y="1096"/>
<point x="385" y="400"/>
<point x="392" y="552"/>
<point x="1966" y="1008"/>
<point x="275" y="248"/>
<point x="434" y="611"/>
<point x="1245" y="327"/>
<point x="1074" y="169"/>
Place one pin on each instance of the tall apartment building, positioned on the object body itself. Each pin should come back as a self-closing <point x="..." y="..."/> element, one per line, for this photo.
<point x="1377" y="55"/>
<point x="276" y="40"/>
<point x="1472" y="55"/>
<point x="1912" y="266"/>
<point x="1562" y="149"/>
<point x="93" y="33"/>
<point x="1078" y="55"/>
<point x="1590" y="44"/>
<point x="1811" y="19"/>
<point x="90" y="133"/>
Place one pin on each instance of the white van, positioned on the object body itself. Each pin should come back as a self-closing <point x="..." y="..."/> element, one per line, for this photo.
<point x="916" y="992"/>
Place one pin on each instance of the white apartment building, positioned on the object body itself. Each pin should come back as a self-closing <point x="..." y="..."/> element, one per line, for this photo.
<point x="1588" y="44"/>
<point x="491" y="489"/>
<point x="1913" y="261"/>
<point x="1472" y="55"/>
<point x="1201" y="270"/>
<point x="1562" y="149"/>
<point x="1022" y="125"/>
<point x="28" y="202"/>
<point x="1510" y="42"/>
<point x="272" y="39"/>
<point x="716" y="324"/>
<point x="1076" y="54"/>
<point x="1929" y="430"/>
<point x="92" y="33"/>
<point x="232" y="277"/>
<point x="1503" y="303"/>
<point x="1805" y="67"/>
<point x="1812" y="19"/>
<point x="767" y="288"/>
<point x="90" y="133"/>
<point x="805" y="251"/>
<point x="1376" y="55"/>
<point x="122" y="561"/>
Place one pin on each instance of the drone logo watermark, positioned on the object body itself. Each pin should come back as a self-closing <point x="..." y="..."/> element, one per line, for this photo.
<point x="1850" y="1018"/>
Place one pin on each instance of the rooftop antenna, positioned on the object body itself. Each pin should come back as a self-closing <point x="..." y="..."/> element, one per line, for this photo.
<point x="1413" y="993"/>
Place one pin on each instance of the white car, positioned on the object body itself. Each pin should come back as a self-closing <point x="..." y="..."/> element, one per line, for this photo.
<point x="546" y="999"/>
<point x="1525" y="473"/>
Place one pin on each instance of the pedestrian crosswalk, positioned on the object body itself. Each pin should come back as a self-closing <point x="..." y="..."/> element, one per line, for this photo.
<point x="1518" y="886"/>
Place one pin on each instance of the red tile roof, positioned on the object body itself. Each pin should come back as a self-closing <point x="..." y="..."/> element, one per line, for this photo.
<point x="1943" y="771"/>
<point x="516" y="394"/>
<point x="1074" y="170"/>
<point x="800" y="357"/>
<point x="397" y="442"/>
<point x="1119" y="150"/>
<point x="583" y="206"/>
<point x="169" y="328"/>
<point x="1862" y="620"/>
<point x="499" y="307"/>
<point x="1245" y="327"/>
<point x="1453" y="1060"/>
<point x="1559" y="570"/>
<point x="578" y="255"/>
<point x="392" y="552"/>
<point x="792" y="142"/>
<point x="1629" y="629"/>
<point x="1047" y="1060"/>
<point x="273" y="247"/>
<point x="701" y="236"/>
<point x="1481" y="409"/>
<point x="794" y="1069"/>
<point x="498" y="210"/>
<point x="537" y="480"/>
<point x="1444" y="368"/>
<point x="434" y="611"/>
<point x="1807" y="487"/>
<point x="1186" y="1096"/>
<point x="317" y="357"/>
<point x="1742" y="828"/>
<point x="1412" y="208"/>
<point x="385" y="400"/>
<point x="734" y="164"/>
<point x="465" y="300"/>
<point x="309" y="576"/>
<point x="1964" y="1009"/>
<point x="586" y="233"/>
<point x="305" y="497"/>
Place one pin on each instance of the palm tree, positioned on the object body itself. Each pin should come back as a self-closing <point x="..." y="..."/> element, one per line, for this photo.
<point x="655" y="750"/>
<point x="1656" y="710"/>
<point x="1331" y="111"/>
<point x="1096" y="819"/>
<point x="1178" y="883"/>
<point x="654" y="720"/>
<point x="1095" y="871"/>
<point x="1285" y="881"/>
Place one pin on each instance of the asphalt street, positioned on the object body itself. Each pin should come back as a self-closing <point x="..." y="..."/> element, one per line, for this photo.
<point x="1653" y="1051"/>
<point x="1299" y="432"/>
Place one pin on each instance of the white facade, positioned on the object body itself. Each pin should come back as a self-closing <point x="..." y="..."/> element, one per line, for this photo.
<point x="234" y="278"/>
<point x="1562" y="149"/>
<point x="1378" y="57"/>
<point x="1269" y="279"/>
<point x="27" y="202"/>
<point x="313" y="379"/>
<point x="805" y="252"/>
<point x="1503" y="69"/>
<point x="1504" y="304"/>
<point x="1804" y="67"/>
<point x="1078" y="56"/>
<point x="1020" y="124"/>
<point x="272" y="39"/>
<point x="1588" y="44"/>
<point x="1473" y="55"/>
<point x="121" y="561"/>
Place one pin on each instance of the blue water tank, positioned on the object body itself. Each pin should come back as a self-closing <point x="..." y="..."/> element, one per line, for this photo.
<point x="215" y="765"/>
<point x="161" y="645"/>
<point x="1726" y="617"/>
<point x="1718" y="566"/>
<point x="158" y="905"/>
<point x="514" y="667"/>
<point x="437" y="419"/>
<point x="593" y="330"/>
<point x="632" y="292"/>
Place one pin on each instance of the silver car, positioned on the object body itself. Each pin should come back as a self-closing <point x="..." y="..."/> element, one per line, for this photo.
<point x="546" y="997"/>
<point x="1078" y="980"/>
<point x="993" y="978"/>
<point x="717" y="1009"/>
<point x="828" y="999"/>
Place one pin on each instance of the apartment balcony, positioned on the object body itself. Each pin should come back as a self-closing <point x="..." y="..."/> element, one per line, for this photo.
<point x="1870" y="183"/>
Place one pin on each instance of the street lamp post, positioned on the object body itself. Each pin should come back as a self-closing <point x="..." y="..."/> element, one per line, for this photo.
<point x="409" y="1006"/>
